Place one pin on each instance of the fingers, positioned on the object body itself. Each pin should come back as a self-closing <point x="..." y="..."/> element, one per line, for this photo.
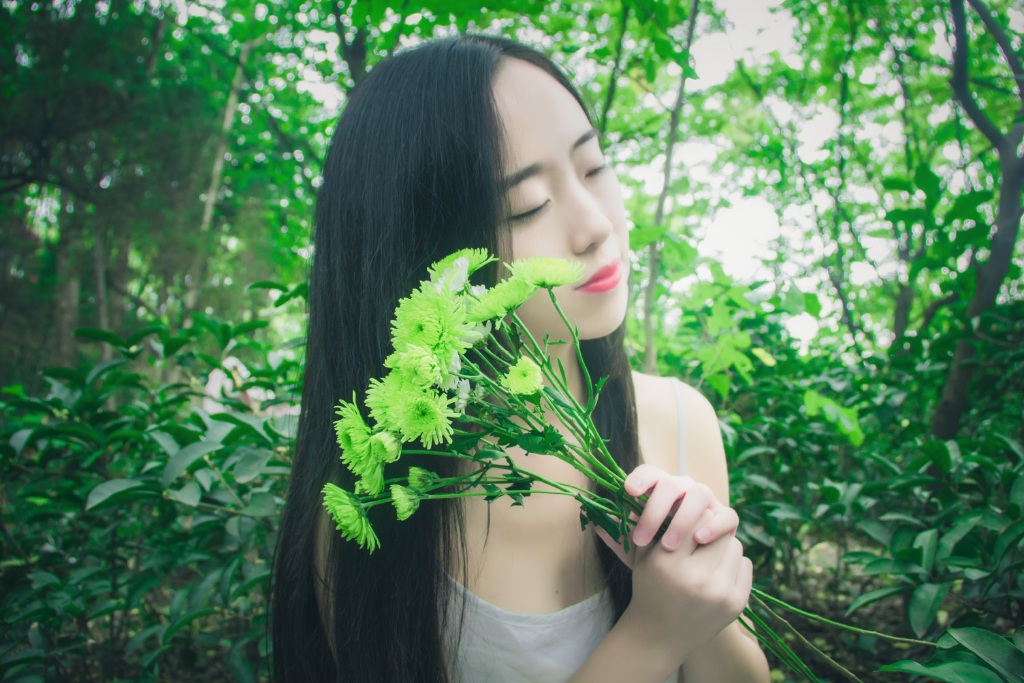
<point x="717" y="522"/>
<point x="642" y="479"/>
<point x="689" y="512"/>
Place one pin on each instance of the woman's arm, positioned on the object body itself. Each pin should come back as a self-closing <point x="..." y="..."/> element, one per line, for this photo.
<point x="687" y="591"/>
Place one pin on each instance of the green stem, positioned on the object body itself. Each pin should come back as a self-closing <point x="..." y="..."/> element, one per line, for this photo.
<point x="776" y="645"/>
<point x="586" y="433"/>
<point x="833" y="663"/>
<point x="562" y="487"/>
<point x="224" y="481"/>
<point x="846" y="627"/>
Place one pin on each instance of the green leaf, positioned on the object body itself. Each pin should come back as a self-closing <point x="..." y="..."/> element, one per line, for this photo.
<point x="300" y="290"/>
<point x="1016" y="502"/>
<point x="249" y="583"/>
<point x="885" y="565"/>
<point x="240" y="667"/>
<point x="137" y="336"/>
<point x="171" y="345"/>
<point x="870" y="597"/>
<point x="100" y="335"/>
<point x="927" y="541"/>
<point x="267" y="284"/>
<point x="951" y="672"/>
<point x="764" y="356"/>
<point x="189" y="494"/>
<point x="184" y="621"/>
<point x="102" y="369"/>
<point x="251" y="422"/>
<point x="43" y="579"/>
<point x="186" y="457"/>
<point x="250" y="463"/>
<point x="261" y="505"/>
<point x="897" y="184"/>
<point x="246" y="327"/>
<point x="557" y="398"/>
<point x="993" y="649"/>
<point x="965" y="206"/>
<point x="720" y="383"/>
<point x="1009" y="538"/>
<point x="924" y="604"/>
<point x="117" y="491"/>
<point x="641" y="237"/>
<point x="73" y="377"/>
<point x="928" y="182"/>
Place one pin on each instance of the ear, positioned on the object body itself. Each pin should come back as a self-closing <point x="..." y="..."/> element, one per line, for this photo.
<point x="624" y="557"/>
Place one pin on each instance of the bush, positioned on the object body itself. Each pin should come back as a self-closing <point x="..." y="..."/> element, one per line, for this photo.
<point x="140" y="504"/>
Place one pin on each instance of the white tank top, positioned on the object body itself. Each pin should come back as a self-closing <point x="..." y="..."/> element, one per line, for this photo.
<point x="511" y="647"/>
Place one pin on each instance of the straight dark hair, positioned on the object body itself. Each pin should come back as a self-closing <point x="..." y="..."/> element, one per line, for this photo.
<point x="413" y="173"/>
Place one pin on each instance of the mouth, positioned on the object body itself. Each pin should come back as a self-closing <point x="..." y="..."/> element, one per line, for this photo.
<point x="604" y="279"/>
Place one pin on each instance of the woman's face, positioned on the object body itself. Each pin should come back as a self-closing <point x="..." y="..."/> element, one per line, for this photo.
<point x="564" y="201"/>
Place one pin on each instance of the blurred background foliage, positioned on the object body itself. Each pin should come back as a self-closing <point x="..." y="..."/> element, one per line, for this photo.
<point x="158" y="168"/>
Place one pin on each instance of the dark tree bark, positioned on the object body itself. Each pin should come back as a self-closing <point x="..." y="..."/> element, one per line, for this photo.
<point x="69" y="284"/>
<point x="990" y="274"/>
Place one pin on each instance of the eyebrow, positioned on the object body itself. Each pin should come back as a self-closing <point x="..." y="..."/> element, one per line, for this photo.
<point x="533" y="169"/>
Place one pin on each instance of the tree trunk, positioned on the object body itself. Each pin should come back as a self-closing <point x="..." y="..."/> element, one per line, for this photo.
<point x="65" y="315"/>
<point x="653" y="250"/>
<point x="99" y="265"/>
<point x="118" y="281"/>
<point x="197" y="272"/>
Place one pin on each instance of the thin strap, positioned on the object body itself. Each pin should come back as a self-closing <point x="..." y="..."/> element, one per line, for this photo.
<point x="681" y="407"/>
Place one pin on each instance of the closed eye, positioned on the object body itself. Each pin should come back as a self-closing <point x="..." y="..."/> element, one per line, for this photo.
<point x="526" y="215"/>
<point x="596" y="171"/>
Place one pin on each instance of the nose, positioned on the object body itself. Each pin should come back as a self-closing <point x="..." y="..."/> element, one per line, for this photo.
<point x="588" y="223"/>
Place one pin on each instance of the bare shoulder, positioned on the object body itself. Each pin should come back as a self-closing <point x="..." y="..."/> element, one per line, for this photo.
<point x="658" y="420"/>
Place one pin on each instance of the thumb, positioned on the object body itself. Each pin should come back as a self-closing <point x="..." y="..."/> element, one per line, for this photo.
<point x="616" y="547"/>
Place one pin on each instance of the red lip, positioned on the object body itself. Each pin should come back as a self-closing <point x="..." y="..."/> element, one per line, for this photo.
<point x="603" y="280"/>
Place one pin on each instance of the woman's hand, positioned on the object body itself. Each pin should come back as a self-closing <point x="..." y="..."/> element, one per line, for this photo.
<point x="703" y="516"/>
<point x="695" y="580"/>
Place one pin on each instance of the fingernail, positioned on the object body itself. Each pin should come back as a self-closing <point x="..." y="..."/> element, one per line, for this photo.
<point x="641" y="538"/>
<point x="670" y="540"/>
<point x="704" y="535"/>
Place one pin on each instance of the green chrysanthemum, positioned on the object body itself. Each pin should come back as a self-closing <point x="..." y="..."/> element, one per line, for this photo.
<point x="501" y="299"/>
<point x="414" y="323"/>
<point x="475" y="260"/>
<point x="385" y="447"/>
<point x="405" y="500"/>
<point x="385" y="396"/>
<point x="426" y="417"/>
<point x="431" y="319"/>
<point x="353" y="435"/>
<point x="420" y="478"/>
<point x="523" y="378"/>
<point x="542" y="271"/>
<point x="371" y="478"/>
<point x="350" y="517"/>
<point x="418" y="364"/>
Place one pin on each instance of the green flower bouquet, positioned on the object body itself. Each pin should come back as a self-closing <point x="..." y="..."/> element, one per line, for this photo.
<point x="467" y="379"/>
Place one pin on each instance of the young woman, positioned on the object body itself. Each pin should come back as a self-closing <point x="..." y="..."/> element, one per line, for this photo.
<point x="482" y="142"/>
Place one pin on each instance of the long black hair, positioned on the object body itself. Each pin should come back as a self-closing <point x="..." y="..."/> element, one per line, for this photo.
<point x="413" y="173"/>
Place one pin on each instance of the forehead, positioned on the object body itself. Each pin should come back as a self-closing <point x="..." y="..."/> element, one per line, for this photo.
<point x="538" y="115"/>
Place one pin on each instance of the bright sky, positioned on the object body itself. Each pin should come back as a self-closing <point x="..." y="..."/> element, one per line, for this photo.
<point x="742" y="234"/>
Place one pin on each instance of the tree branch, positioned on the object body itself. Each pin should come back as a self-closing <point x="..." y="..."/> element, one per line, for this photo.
<point x="933" y="309"/>
<point x="1012" y="58"/>
<point x="960" y="79"/>
<point x="616" y="70"/>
